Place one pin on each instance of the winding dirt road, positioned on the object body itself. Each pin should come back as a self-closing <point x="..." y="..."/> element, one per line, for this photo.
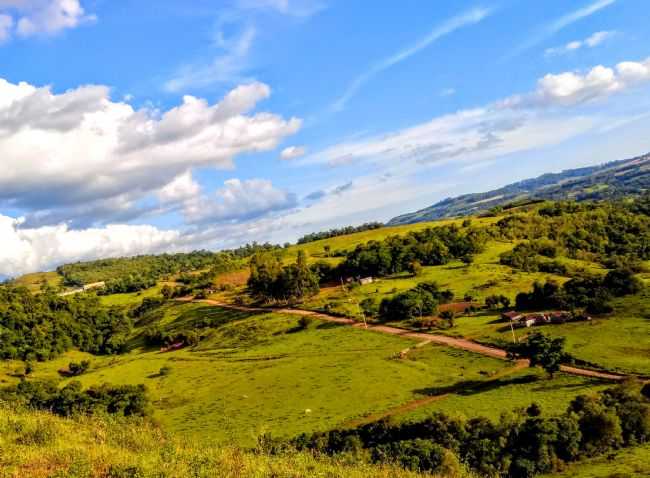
<point x="425" y="337"/>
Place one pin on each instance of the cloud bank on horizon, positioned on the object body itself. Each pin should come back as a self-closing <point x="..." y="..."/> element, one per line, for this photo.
<point x="241" y="142"/>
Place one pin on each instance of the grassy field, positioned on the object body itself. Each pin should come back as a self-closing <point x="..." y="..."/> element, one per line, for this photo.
<point x="41" y="445"/>
<point x="255" y="373"/>
<point x="34" y="281"/>
<point x="258" y="373"/>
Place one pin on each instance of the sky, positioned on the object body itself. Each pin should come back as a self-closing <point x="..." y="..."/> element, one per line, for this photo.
<point x="131" y="127"/>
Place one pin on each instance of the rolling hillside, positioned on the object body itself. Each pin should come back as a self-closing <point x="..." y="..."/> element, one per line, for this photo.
<point x="607" y="181"/>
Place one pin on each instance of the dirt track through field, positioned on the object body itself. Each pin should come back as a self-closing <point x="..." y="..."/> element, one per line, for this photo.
<point x="424" y="337"/>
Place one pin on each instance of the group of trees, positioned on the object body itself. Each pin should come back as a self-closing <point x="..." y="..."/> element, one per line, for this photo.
<point x="422" y="300"/>
<point x="520" y="445"/>
<point x="42" y="326"/>
<point x="126" y="400"/>
<point x="534" y="256"/>
<point x="541" y="351"/>
<point x="432" y="246"/>
<point x="593" y="293"/>
<point x="149" y="266"/>
<point x="271" y="280"/>
<point x="342" y="231"/>
<point x="155" y="336"/>
<point x="593" y="231"/>
<point x="494" y="301"/>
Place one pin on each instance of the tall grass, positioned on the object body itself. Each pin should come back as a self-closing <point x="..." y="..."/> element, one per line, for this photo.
<point x="37" y="444"/>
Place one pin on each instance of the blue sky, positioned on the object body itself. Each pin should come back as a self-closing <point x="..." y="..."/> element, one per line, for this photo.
<point x="130" y="127"/>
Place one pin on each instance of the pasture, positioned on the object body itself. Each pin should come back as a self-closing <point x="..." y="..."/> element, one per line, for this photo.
<point x="261" y="373"/>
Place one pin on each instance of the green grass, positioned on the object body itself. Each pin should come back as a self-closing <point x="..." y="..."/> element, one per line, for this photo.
<point x="509" y="393"/>
<point x="131" y="298"/>
<point x="34" y="281"/>
<point x="254" y="375"/>
<point x="41" y="445"/>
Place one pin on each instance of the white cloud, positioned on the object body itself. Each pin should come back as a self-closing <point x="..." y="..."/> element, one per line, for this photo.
<point x="559" y="24"/>
<point x="293" y="152"/>
<point x="181" y="188"/>
<point x="32" y="249"/>
<point x="470" y="17"/>
<point x="81" y="148"/>
<point x="513" y="125"/>
<point x="571" y="88"/>
<point x="592" y="41"/>
<point x="239" y="201"/>
<point x="35" y="17"/>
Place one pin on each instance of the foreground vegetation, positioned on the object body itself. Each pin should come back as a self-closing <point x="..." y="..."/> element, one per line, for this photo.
<point x="40" y="445"/>
<point x="224" y="376"/>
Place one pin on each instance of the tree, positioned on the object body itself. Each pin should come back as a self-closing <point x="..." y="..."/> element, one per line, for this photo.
<point x="167" y="292"/>
<point x="415" y="268"/>
<point x="467" y="259"/>
<point x="543" y="351"/>
<point x="448" y="315"/>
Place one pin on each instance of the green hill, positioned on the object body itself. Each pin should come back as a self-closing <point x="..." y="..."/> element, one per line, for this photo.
<point x="612" y="180"/>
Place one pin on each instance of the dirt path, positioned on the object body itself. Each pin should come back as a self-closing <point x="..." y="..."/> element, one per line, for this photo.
<point x="424" y="337"/>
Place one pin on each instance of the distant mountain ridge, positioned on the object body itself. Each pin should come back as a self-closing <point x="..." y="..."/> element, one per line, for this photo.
<point x="606" y="181"/>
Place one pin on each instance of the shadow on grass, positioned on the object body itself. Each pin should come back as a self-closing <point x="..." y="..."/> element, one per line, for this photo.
<point x="329" y="325"/>
<point x="472" y="387"/>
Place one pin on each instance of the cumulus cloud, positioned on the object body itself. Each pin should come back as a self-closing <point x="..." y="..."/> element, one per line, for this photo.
<point x="32" y="17"/>
<point x="32" y="249"/>
<point x="293" y="152"/>
<point x="181" y="188"/>
<point x="592" y="41"/>
<point x="239" y="201"/>
<point x="81" y="148"/>
<point x="573" y="88"/>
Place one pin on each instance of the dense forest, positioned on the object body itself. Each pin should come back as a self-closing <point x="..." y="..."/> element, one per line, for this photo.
<point x="42" y="326"/>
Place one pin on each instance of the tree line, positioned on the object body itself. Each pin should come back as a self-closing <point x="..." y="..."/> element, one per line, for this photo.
<point x="520" y="445"/>
<point x="342" y="231"/>
<point x="591" y="292"/>
<point x="125" y="400"/>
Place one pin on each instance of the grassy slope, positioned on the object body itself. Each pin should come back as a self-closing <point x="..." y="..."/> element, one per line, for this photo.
<point x="40" y="445"/>
<point x="253" y="375"/>
<point x="34" y="281"/>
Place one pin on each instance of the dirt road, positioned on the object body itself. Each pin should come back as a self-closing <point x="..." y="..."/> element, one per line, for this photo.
<point x="425" y="337"/>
